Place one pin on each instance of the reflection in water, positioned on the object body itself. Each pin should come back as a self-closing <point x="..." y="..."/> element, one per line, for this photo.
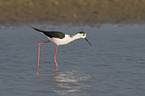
<point x="62" y="83"/>
<point x="37" y="71"/>
<point x="56" y="70"/>
<point x="69" y="81"/>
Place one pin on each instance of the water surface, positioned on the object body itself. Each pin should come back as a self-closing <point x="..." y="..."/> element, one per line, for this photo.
<point x="113" y="66"/>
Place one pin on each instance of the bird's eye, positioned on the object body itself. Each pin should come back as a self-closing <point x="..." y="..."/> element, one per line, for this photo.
<point x="83" y="34"/>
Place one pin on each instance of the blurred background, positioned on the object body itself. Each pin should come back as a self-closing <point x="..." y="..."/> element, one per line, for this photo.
<point x="72" y="11"/>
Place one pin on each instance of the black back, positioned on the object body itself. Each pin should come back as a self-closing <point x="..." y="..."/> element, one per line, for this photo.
<point x="51" y="34"/>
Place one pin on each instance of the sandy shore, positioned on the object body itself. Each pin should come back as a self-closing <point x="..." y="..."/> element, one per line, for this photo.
<point x="72" y="11"/>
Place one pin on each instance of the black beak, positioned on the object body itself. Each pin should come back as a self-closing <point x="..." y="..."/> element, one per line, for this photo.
<point x="88" y="41"/>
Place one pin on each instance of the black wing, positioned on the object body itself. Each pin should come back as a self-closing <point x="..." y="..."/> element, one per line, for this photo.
<point x="51" y="34"/>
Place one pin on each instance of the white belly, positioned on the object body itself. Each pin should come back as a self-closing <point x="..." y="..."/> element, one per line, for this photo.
<point x="63" y="41"/>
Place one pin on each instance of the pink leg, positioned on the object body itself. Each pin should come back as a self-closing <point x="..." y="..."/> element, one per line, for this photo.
<point x="39" y="51"/>
<point x="55" y="56"/>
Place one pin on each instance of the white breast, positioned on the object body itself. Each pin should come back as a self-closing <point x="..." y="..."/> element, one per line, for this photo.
<point x="63" y="41"/>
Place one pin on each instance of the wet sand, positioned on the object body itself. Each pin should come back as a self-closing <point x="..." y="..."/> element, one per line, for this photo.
<point x="72" y="11"/>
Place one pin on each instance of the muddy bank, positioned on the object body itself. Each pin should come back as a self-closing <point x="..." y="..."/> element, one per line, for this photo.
<point x="72" y="11"/>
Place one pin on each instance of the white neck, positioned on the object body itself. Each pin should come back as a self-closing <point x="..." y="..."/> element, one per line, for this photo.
<point x="69" y="38"/>
<point x="74" y="37"/>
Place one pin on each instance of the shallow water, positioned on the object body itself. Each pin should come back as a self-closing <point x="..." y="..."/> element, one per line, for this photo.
<point x="113" y="66"/>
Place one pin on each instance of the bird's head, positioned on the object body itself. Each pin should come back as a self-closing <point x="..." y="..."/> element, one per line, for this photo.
<point x="83" y="35"/>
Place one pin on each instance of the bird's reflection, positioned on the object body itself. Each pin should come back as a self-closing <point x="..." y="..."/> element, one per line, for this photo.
<point x="63" y="83"/>
<point x="37" y="71"/>
<point x="56" y="70"/>
<point x="69" y="81"/>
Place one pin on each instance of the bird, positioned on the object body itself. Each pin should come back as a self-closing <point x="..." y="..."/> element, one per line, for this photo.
<point x="59" y="38"/>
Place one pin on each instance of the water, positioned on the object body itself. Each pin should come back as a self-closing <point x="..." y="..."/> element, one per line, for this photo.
<point x="113" y="66"/>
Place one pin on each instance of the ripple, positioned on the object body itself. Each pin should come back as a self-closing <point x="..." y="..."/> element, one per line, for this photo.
<point x="71" y="76"/>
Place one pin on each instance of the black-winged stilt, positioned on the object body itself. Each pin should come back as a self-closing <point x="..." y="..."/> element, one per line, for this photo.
<point x="59" y="38"/>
